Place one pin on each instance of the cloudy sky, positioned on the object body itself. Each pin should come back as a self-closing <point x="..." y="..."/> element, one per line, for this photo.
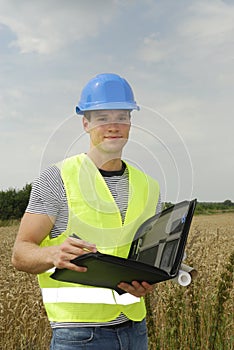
<point x="177" y="55"/>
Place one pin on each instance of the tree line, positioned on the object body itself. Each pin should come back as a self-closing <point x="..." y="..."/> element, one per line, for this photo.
<point x="214" y="207"/>
<point x="210" y="207"/>
<point x="14" y="202"/>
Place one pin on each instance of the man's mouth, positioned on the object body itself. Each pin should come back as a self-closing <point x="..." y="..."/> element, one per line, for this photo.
<point x="113" y="137"/>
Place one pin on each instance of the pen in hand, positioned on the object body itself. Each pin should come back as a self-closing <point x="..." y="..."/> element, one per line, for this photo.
<point x="91" y="249"/>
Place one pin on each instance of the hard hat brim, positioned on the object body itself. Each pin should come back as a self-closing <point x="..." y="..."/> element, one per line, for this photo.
<point x="107" y="106"/>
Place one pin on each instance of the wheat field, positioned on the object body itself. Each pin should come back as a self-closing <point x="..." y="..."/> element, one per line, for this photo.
<point x="199" y="316"/>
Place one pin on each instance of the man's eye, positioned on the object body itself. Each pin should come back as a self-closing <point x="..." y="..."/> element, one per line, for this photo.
<point x="102" y="119"/>
<point x="123" y="119"/>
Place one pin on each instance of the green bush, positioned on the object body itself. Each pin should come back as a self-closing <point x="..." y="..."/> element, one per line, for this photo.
<point x="14" y="202"/>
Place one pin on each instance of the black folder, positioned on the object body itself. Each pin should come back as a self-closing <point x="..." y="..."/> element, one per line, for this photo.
<point x="156" y="253"/>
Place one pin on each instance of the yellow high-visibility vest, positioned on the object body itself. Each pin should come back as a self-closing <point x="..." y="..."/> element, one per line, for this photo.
<point x="95" y="217"/>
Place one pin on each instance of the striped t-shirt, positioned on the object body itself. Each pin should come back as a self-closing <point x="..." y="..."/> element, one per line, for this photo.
<point x="48" y="196"/>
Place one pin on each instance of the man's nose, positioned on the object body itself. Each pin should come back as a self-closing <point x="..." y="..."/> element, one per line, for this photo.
<point x="113" y="126"/>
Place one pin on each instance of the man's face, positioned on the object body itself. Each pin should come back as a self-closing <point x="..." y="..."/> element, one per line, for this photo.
<point x="108" y="129"/>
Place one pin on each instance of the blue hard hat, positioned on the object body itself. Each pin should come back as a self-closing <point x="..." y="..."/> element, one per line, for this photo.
<point x="106" y="91"/>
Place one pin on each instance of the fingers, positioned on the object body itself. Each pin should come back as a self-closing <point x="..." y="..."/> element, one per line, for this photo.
<point x="73" y="267"/>
<point x="137" y="289"/>
<point x="77" y="247"/>
<point x="69" y="250"/>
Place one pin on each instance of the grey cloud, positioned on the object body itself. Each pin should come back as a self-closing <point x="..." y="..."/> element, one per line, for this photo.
<point x="45" y="27"/>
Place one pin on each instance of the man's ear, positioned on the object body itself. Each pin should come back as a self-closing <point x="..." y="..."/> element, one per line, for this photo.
<point x="85" y="124"/>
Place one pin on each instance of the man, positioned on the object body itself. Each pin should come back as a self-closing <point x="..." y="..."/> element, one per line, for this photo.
<point x="102" y="200"/>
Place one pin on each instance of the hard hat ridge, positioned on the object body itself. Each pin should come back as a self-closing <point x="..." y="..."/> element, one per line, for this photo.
<point x="106" y="91"/>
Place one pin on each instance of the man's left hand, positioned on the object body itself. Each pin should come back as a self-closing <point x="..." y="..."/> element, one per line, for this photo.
<point x="137" y="289"/>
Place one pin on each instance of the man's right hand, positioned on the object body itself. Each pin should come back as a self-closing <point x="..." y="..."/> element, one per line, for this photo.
<point x="70" y="249"/>
<point x="30" y="257"/>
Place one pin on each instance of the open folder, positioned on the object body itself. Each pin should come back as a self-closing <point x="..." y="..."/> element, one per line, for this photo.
<point x="156" y="253"/>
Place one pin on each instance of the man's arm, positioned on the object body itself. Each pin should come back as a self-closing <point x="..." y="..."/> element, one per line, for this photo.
<point x="28" y="256"/>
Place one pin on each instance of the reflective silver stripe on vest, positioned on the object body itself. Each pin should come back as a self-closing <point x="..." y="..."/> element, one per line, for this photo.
<point x="87" y="295"/>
